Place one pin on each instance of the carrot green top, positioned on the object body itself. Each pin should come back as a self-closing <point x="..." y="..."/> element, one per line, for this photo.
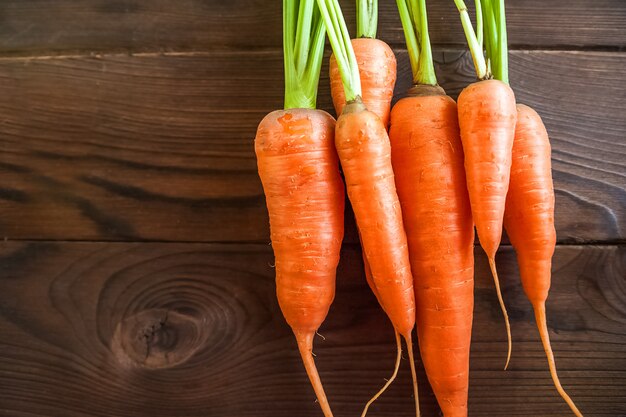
<point x="415" y="26"/>
<point x="490" y="24"/>
<point x="495" y="9"/>
<point x="342" y="48"/>
<point x="303" y="48"/>
<point x="366" y="18"/>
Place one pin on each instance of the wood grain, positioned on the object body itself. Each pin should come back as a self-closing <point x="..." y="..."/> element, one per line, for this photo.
<point x="160" y="147"/>
<point x="35" y="27"/>
<point x="135" y="329"/>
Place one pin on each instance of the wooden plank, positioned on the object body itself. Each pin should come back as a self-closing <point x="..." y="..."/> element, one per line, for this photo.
<point x="155" y="329"/>
<point x="36" y="27"/>
<point x="160" y="147"/>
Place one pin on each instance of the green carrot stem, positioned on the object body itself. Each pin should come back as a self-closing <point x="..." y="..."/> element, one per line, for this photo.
<point x="502" y="71"/>
<point x="410" y="37"/>
<point x="472" y="41"/>
<point x="342" y="47"/>
<point x="316" y="54"/>
<point x="415" y="26"/>
<point x="303" y="48"/>
<point x="426" y="72"/>
<point x="303" y="34"/>
<point x="490" y="35"/>
<point x="366" y="18"/>
<point x="479" y="22"/>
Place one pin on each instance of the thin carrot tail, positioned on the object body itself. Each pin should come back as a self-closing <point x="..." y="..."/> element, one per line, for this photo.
<point x="540" y="317"/>
<point x="496" y="280"/>
<point x="305" y="345"/>
<point x="409" y="346"/>
<point x="393" y="376"/>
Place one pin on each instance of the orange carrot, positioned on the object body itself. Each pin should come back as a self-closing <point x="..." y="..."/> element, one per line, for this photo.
<point x="487" y="121"/>
<point x="487" y="117"/>
<point x="529" y="221"/>
<point x="428" y="163"/>
<point x="377" y="69"/>
<point x="427" y="158"/>
<point x="364" y="151"/>
<point x="299" y="170"/>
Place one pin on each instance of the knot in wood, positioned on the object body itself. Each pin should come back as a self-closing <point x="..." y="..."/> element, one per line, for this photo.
<point x="157" y="338"/>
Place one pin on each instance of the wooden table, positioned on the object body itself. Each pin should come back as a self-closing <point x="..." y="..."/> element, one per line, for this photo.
<point x="135" y="272"/>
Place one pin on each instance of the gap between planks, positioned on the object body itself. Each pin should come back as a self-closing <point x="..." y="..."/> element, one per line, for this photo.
<point x="607" y="243"/>
<point x="273" y="50"/>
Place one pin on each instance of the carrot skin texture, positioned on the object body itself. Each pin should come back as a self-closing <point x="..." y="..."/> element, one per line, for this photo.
<point x="427" y="158"/>
<point x="377" y="68"/>
<point x="529" y="222"/>
<point x="298" y="166"/>
<point x="487" y="117"/>
<point x="364" y="151"/>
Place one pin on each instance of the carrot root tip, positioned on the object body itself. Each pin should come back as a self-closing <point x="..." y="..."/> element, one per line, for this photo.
<point x="390" y="380"/>
<point x="540" y="317"/>
<point x="496" y="280"/>
<point x="409" y="344"/>
<point x="305" y="346"/>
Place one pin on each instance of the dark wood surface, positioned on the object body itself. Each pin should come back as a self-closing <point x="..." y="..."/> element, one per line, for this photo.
<point x="160" y="147"/>
<point x="153" y="329"/>
<point x="135" y="275"/>
<point x="50" y="27"/>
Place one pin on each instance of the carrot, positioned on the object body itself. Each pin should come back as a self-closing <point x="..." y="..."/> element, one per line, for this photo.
<point x="529" y="221"/>
<point x="298" y="167"/>
<point x="377" y="70"/>
<point x="364" y="151"/>
<point x="487" y="118"/>
<point x="427" y="158"/>
<point x="299" y="170"/>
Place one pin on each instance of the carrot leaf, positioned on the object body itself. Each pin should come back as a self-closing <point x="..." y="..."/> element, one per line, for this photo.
<point x="303" y="49"/>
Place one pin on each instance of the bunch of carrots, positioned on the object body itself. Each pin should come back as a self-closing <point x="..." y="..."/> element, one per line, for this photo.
<point x="419" y="177"/>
